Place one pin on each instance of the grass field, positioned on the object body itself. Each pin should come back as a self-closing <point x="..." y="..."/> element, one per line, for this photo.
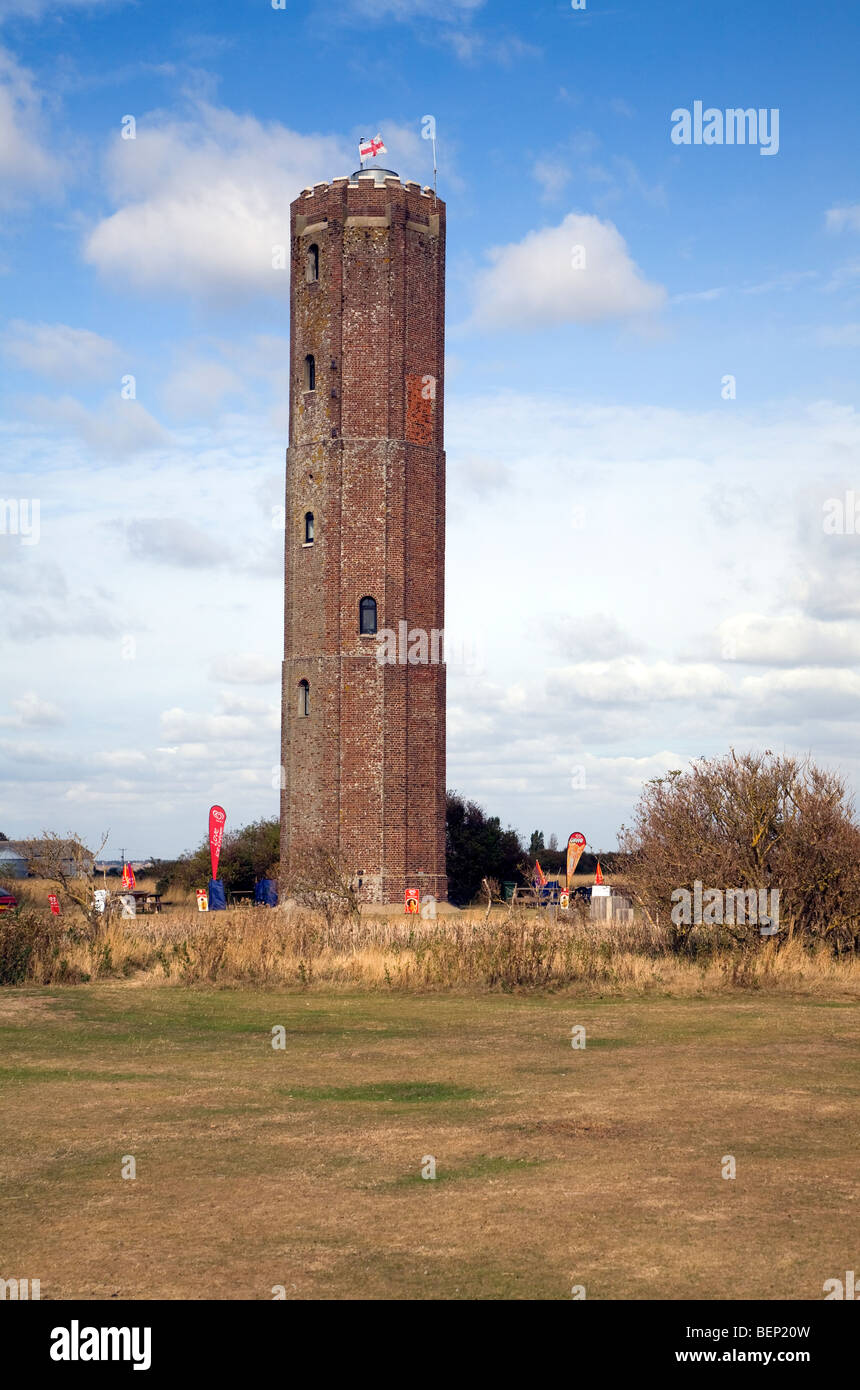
<point x="301" y="1167"/>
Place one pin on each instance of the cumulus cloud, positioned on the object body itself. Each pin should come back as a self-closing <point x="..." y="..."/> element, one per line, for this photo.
<point x="796" y="696"/>
<point x="204" y="201"/>
<point x="30" y="711"/>
<point x="578" y="272"/>
<point x="628" y="680"/>
<point x="185" y="726"/>
<point x="60" y="352"/>
<point x="788" y="640"/>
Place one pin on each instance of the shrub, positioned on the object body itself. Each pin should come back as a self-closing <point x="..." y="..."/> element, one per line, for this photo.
<point x="752" y="821"/>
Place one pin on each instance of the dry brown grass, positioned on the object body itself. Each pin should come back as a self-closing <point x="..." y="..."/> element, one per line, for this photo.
<point x="263" y="948"/>
<point x="301" y="1167"/>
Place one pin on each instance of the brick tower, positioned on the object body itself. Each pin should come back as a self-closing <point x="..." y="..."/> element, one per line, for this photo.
<point x="363" y="738"/>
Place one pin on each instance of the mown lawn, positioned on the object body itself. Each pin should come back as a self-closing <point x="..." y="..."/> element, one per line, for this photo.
<point x="302" y="1167"/>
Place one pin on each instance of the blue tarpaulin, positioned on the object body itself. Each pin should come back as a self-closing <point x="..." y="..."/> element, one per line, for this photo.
<point x="266" y="892"/>
<point x="217" y="895"/>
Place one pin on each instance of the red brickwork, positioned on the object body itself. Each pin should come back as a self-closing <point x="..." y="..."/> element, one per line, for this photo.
<point x="364" y="772"/>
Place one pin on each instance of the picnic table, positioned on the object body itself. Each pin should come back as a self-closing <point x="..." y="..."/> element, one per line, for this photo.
<point x="534" y="897"/>
<point x="144" y="900"/>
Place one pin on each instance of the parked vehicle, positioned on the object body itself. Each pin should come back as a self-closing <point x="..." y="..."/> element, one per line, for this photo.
<point x="8" y="901"/>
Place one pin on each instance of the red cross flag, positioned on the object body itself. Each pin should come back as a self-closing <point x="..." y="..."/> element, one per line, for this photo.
<point x="369" y="149"/>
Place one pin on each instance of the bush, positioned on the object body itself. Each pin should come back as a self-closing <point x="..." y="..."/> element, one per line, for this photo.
<point x="247" y="854"/>
<point x="752" y="821"/>
<point x="25" y="935"/>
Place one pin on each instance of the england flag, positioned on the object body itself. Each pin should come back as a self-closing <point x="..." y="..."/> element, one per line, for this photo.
<point x="369" y="149"/>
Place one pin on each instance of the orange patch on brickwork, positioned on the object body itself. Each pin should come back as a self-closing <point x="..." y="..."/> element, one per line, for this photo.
<point x="420" y="409"/>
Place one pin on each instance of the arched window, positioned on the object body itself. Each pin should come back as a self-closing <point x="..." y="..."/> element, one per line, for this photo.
<point x="367" y="615"/>
<point x="309" y="528"/>
<point x="312" y="263"/>
<point x="310" y="373"/>
<point x="304" y="698"/>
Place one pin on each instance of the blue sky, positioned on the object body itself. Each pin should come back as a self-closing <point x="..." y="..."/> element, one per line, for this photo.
<point x="638" y="571"/>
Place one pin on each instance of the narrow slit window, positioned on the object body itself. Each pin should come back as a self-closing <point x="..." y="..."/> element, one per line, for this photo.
<point x="309" y="528"/>
<point x="310" y="373"/>
<point x="367" y="616"/>
<point x="312" y="264"/>
<point x="304" y="699"/>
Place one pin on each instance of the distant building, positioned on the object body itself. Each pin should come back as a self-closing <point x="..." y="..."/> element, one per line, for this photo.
<point x="12" y="863"/>
<point x="76" y="861"/>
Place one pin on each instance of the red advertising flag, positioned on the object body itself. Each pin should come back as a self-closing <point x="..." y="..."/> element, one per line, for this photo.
<point x="127" y="876"/>
<point x="55" y="904"/>
<point x="575" y="846"/>
<point x="217" y="817"/>
<point x="598" y="877"/>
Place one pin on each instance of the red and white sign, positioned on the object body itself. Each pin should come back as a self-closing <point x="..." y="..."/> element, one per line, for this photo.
<point x="217" y="817"/>
<point x="412" y="899"/>
<point x="55" y="904"/>
<point x="369" y="149"/>
<point x="202" y="900"/>
<point x="575" y="846"/>
<point x="564" y="900"/>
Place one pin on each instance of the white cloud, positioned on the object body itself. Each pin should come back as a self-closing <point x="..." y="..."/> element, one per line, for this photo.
<point x="246" y="668"/>
<point x="794" y="697"/>
<point x="26" y="163"/>
<point x="629" y="680"/>
<point x="185" y="726"/>
<point x="199" y="386"/>
<point x="540" y="280"/>
<point x="204" y="201"/>
<point x="553" y="175"/>
<point x="788" y="640"/>
<point x="32" y="712"/>
<point x="838" y="219"/>
<point x="596" y="635"/>
<point x="115" y="429"/>
<point x="58" y="351"/>
<point x="166" y="540"/>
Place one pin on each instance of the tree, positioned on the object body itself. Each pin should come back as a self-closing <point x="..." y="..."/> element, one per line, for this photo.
<point x="476" y="847"/>
<point x="247" y="854"/>
<point x="320" y="881"/>
<point x="752" y="821"/>
<point x="4" y="837"/>
<point x="536" y="844"/>
<point x="553" y="843"/>
<point x="65" y="863"/>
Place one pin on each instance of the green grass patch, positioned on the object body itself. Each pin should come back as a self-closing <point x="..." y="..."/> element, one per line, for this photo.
<point x="396" y="1092"/>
